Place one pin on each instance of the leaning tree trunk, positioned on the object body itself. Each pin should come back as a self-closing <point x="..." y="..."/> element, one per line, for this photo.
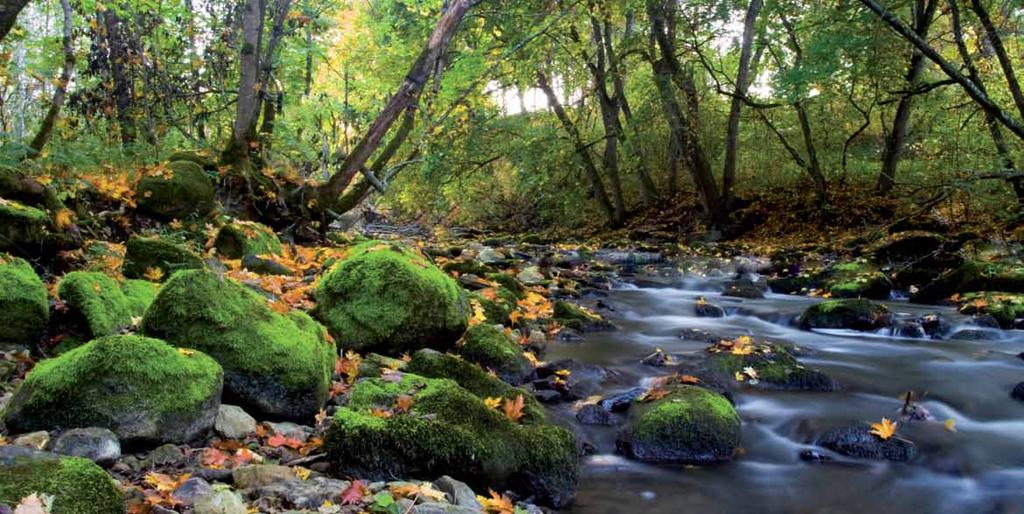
<point x="46" y="128"/>
<point x="9" y="10"/>
<point x="732" y="133"/>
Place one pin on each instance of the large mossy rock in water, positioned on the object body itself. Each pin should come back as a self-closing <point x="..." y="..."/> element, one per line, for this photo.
<point x="24" y="305"/>
<point x="241" y="238"/>
<point x="96" y="301"/>
<point x="275" y="365"/>
<point x="142" y="389"/>
<point x="773" y="366"/>
<point x="21" y="227"/>
<point x="77" y="485"/>
<point x="490" y="347"/>
<point x="691" y="425"/>
<point x="389" y="299"/>
<point x="153" y="257"/>
<point x="855" y="279"/>
<point x="858" y="314"/>
<point x="973" y="276"/>
<point x="179" y="189"/>
<point x="449" y="431"/>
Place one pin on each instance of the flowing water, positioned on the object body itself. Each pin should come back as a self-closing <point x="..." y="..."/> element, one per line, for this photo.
<point x="979" y="468"/>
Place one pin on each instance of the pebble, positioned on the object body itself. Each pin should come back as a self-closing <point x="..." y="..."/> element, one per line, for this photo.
<point x="233" y="422"/>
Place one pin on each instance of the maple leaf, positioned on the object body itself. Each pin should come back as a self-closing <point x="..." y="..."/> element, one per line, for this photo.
<point x="750" y="372"/>
<point x="381" y="413"/>
<point x="153" y="274"/>
<point x="278" y="440"/>
<point x="302" y="473"/>
<point x="689" y="379"/>
<point x="186" y="352"/>
<point x="514" y="408"/>
<point x="479" y="316"/>
<point x="403" y="403"/>
<point x="63" y="219"/>
<point x="165" y="483"/>
<point x="213" y="458"/>
<point x="355" y="493"/>
<point x="497" y="503"/>
<point x="884" y="430"/>
<point x="653" y="394"/>
<point x="415" y="491"/>
<point x="492" y="402"/>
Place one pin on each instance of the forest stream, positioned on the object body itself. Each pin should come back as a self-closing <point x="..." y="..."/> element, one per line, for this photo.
<point x="977" y="468"/>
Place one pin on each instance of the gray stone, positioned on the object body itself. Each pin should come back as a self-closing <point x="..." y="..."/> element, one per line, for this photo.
<point x="490" y="256"/>
<point x="858" y="441"/>
<point x="441" y="508"/>
<point x="259" y="475"/>
<point x="164" y="455"/>
<point x="233" y="422"/>
<point x="96" y="444"/>
<point x="291" y="430"/>
<point x="35" y="440"/>
<point x="220" y="501"/>
<point x="531" y="276"/>
<point x="304" y="494"/>
<point x="191" y="489"/>
<point x="458" y="493"/>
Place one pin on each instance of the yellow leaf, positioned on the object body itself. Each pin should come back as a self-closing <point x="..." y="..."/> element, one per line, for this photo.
<point x="496" y="504"/>
<point x="514" y="408"/>
<point x="950" y="425"/>
<point x="186" y="352"/>
<point x="302" y="472"/>
<point x="884" y="430"/>
<point x="478" y="313"/>
<point x="63" y="219"/>
<point x="153" y="274"/>
<point x="492" y="402"/>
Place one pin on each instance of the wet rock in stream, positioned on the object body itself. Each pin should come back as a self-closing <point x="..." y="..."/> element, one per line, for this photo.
<point x="856" y="314"/>
<point x="858" y="441"/>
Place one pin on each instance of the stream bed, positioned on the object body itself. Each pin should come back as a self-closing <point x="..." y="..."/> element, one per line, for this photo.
<point x="978" y="468"/>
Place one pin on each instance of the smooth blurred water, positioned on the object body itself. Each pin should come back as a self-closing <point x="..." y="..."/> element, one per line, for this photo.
<point x="977" y="469"/>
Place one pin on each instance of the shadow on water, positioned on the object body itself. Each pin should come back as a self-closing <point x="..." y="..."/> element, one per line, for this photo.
<point x="977" y="469"/>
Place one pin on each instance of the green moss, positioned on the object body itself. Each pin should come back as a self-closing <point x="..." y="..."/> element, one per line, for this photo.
<point x="182" y="191"/>
<point x="112" y="382"/>
<point x="690" y="425"/>
<point x="263" y="352"/>
<point x="98" y="300"/>
<point x="575" y="317"/>
<point x="240" y="238"/>
<point x="500" y="308"/>
<point x="508" y="282"/>
<point x="856" y="279"/>
<point x="77" y="485"/>
<point x="21" y="225"/>
<point x="434" y="364"/>
<point x="390" y="299"/>
<point x="858" y="314"/>
<point x="1006" y="308"/>
<point x="467" y="267"/>
<point x="153" y="253"/>
<point x="24" y="305"/>
<point x="449" y="431"/>
<point x="491" y="348"/>
<point x="775" y="366"/>
<point x="973" y="276"/>
<point x="203" y="158"/>
<point x="139" y="293"/>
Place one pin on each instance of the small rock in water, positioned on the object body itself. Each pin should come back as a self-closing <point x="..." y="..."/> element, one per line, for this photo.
<point x="858" y="441"/>
<point x="985" y="320"/>
<point x="703" y="309"/>
<point x="233" y="422"/>
<point x="743" y="289"/>
<point x="593" y="414"/>
<point x="657" y="359"/>
<point x="548" y="396"/>
<point x="622" y="401"/>
<point x="810" y="455"/>
<point x="915" y="412"/>
<point x="1018" y="392"/>
<point x="96" y="444"/>
<point x="911" y="329"/>
<point x="934" y="325"/>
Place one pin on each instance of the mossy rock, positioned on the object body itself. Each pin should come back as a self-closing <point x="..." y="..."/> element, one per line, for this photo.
<point x="449" y="431"/>
<point x="145" y="256"/>
<point x="776" y="368"/>
<point x="21" y="226"/>
<point x="498" y="309"/>
<point x="77" y="485"/>
<point x="143" y="389"/>
<point x="468" y="266"/>
<point x="241" y="238"/>
<point x="1006" y="308"/>
<point x="855" y="279"/>
<point x="390" y="299"/>
<point x="140" y="294"/>
<point x="205" y="159"/>
<point x="491" y="348"/>
<point x="97" y="301"/>
<point x="509" y="282"/>
<point x="433" y="364"/>
<point x="275" y="365"/>
<point x="691" y="425"/>
<point x="856" y="314"/>
<point x="179" y="191"/>
<point x="973" y="276"/>
<point x="24" y="304"/>
<point x="794" y="284"/>
<point x="906" y="246"/>
<point x="572" y="316"/>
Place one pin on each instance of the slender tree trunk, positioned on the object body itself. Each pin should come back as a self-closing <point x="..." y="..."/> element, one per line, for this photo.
<point x="589" y="168"/>
<point x="924" y="12"/>
<point x="732" y="134"/>
<point x="407" y="95"/>
<point x="813" y="165"/>
<point x="124" y="91"/>
<point x="648" y="191"/>
<point x="242" y="137"/>
<point x="992" y="34"/>
<point x="609" y="118"/>
<point x="46" y="128"/>
<point x="9" y="10"/>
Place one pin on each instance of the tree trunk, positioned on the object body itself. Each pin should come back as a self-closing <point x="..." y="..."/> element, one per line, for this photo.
<point x="9" y="10"/>
<point x="813" y="165"/>
<point x="46" y="128"/>
<point x="589" y="168"/>
<point x="406" y="96"/>
<point x="124" y="90"/>
<point x="242" y="136"/>
<point x="732" y="133"/>
<point x="648" y="192"/>
<point x="924" y="12"/>
<point x="992" y="34"/>
<point x="609" y="118"/>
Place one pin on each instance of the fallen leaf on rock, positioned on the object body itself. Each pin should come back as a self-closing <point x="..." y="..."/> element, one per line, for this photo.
<point x="884" y="430"/>
<point x="514" y="408"/>
<point x="414" y="491"/>
<point x="356" y="493"/>
<point x="497" y="503"/>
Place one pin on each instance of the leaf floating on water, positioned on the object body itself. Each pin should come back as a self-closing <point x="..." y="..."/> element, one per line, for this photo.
<point x="884" y="430"/>
<point x="950" y="425"/>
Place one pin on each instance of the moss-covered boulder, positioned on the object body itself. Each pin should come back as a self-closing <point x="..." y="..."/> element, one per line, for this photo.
<point x="691" y="425"/>
<point x="390" y="299"/>
<point x="204" y="158"/>
<point x="448" y="431"/>
<point x="794" y="284"/>
<point x="856" y="314"/>
<point x="24" y="306"/>
<point x="434" y="364"/>
<point x="143" y="389"/>
<point x="96" y="301"/>
<point x="77" y="485"/>
<point x="179" y="189"/>
<point x="492" y="348"/>
<point x="139" y="293"/>
<point x="21" y="226"/>
<point x="575" y="317"/>
<point x="496" y="302"/>
<point x="973" y="276"/>
<point x="241" y="238"/>
<point x="855" y="279"/>
<point x="153" y="257"/>
<point x="766" y="366"/>
<point x="1006" y="308"/>
<point x="275" y="365"/>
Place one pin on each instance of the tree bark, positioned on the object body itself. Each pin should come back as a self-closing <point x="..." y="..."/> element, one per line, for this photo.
<point x="924" y="12"/>
<point x="609" y="118"/>
<point x="406" y="96"/>
<point x="732" y="134"/>
<point x="46" y="128"/>
<point x="124" y="90"/>
<point x="247" y="105"/>
<point x="648" y="191"/>
<point x="9" y="10"/>
<point x="589" y="168"/>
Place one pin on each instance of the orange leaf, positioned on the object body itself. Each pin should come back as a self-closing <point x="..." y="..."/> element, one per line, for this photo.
<point x="514" y="408"/>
